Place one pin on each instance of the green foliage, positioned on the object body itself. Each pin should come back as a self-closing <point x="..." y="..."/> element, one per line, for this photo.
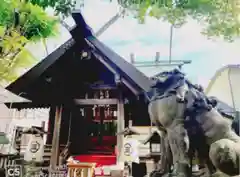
<point x="35" y="23"/>
<point x="220" y="17"/>
<point x="61" y="6"/>
<point x="21" y="22"/>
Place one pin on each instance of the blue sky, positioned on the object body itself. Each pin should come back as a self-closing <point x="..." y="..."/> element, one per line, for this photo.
<point x="127" y="35"/>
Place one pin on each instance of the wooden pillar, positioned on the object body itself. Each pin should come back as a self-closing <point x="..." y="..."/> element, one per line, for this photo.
<point x="120" y="124"/>
<point x="102" y="116"/>
<point x="56" y="136"/>
<point x="51" y="120"/>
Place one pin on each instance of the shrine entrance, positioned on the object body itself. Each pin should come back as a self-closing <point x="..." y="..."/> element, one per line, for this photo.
<point x="91" y="123"/>
<point x="103" y="129"/>
<point x="101" y="139"/>
<point x="87" y="86"/>
<point x="101" y="120"/>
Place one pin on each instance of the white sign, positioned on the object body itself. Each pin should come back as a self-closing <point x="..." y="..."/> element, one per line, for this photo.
<point x="130" y="150"/>
<point x="35" y="149"/>
<point x="35" y="146"/>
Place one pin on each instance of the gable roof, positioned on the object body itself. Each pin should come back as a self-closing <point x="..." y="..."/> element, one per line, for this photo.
<point x="131" y="76"/>
<point x="23" y="81"/>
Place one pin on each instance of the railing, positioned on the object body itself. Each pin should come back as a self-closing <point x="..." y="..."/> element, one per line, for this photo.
<point x="6" y="160"/>
<point x="81" y="170"/>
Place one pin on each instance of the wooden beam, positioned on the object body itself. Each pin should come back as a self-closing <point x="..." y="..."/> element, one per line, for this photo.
<point x="56" y="136"/>
<point x="96" y="101"/>
<point x="125" y="82"/>
<point x="103" y="87"/>
<point x="120" y="124"/>
<point x="100" y="58"/>
<point x="116" y="74"/>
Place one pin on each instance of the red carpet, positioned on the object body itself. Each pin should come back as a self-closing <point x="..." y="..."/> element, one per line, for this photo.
<point x="101" y="160"/>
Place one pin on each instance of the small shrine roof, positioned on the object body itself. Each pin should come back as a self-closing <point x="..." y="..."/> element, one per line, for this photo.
<point x="83" y="38"/>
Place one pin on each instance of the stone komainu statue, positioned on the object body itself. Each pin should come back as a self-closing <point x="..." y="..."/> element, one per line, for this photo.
<point x="177" y="105"/>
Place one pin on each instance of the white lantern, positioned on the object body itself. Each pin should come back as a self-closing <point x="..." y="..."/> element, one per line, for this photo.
<point x="35" y="149"/>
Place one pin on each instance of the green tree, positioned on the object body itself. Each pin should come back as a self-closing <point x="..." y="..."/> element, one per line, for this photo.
<point x="61" y="6"/>
<point x="21" y="22"/>
<point x="220" y="18"/>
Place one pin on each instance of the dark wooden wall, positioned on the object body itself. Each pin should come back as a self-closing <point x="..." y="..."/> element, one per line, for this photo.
<point x="137" y="111"/>
<point x="78" y="132"/>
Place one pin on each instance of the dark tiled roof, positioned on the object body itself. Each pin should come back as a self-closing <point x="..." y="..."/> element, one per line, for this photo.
<point x="81" y="31"/>
<point x="17" y="86"/>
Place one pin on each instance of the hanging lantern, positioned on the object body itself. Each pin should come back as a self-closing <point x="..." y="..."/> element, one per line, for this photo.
<point x="115" y="114"/>
<point x="126" y="101"/>
<point x="35" y="147"/>
<point x="101" y="94"/>
<point x="86" y="96"/>
<point x="95" y="96"/>
<point x="97" y="113"/>
<point x="107" y="112"/>
<point x="111" y="113"/>
<point x="82" y="111"/>
<point x="94" y="110"/>
<point x="107" y="94"/>
<point x="130" y="150"/>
